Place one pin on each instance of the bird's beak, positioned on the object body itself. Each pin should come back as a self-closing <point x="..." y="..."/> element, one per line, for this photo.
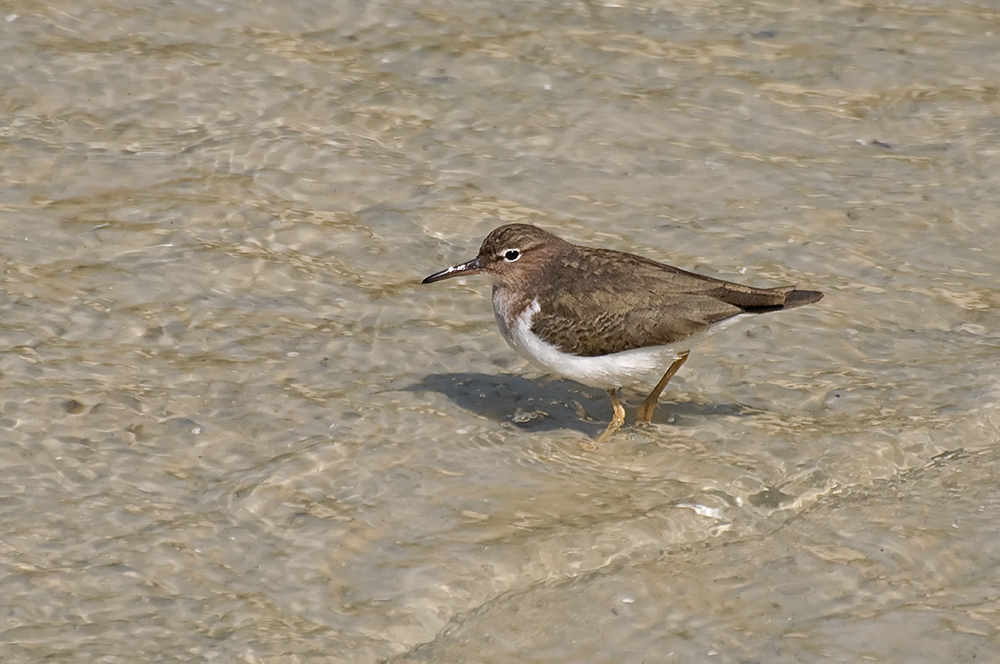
<point x="471" y="267"/>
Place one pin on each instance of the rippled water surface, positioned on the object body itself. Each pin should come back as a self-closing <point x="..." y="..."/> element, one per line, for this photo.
<point x="236" y="428"/>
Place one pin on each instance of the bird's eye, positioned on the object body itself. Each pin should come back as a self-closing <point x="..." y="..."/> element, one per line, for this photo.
<point x="511" y="255"/>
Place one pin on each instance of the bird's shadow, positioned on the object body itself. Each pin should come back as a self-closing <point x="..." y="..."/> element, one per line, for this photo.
<point x="548" y="405"/>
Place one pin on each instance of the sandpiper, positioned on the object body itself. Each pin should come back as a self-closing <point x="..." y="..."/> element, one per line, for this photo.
<point x="606" y="318"/>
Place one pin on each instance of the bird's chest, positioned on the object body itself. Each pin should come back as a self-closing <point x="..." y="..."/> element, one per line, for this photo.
<point x="513" y="312"/>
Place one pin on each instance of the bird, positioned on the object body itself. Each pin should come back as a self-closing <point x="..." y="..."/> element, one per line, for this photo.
<point x="605" y="318"/>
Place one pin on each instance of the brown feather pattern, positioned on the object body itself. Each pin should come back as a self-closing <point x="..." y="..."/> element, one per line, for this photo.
<point x="641" y="302"/>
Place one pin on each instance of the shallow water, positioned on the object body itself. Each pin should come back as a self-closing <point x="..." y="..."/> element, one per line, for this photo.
<point x="235" y="427"/>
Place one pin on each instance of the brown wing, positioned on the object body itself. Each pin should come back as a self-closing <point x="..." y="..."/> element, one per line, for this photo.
<point x="641" y="303"/>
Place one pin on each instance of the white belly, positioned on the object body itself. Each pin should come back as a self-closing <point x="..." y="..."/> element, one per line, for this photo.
<point x="630" y="367"/>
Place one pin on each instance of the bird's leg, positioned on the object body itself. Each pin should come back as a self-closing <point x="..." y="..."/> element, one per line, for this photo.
<point x="619" y="418"/>
<point x="645" y="413"/>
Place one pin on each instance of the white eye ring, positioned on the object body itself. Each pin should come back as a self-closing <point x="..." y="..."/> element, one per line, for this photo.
<point x="511" y="255"/>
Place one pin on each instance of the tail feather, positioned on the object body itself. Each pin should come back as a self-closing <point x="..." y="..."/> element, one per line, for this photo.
<point x="760" y="300"/>
<point x="799" y="297"/>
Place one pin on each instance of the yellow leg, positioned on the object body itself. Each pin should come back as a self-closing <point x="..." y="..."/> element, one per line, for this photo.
<point x="619" y="418"/>
<point x="645" y="413"/>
